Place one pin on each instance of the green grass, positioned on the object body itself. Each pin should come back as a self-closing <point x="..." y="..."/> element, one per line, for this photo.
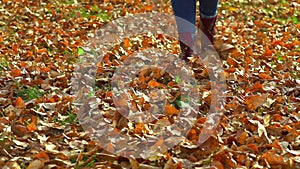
<point x="69" y="2"/>
<point x="95" y="11"/>
<point x="70" y="119"/>
<point x="177" y="79"/>
<point x="4" y="65"/>
<point x="295" y="20"/>
<point x="80" y="51"/>
<point x="29" y="93"/>
<point x="182" y="101"/>
<point x="88" y="165"/>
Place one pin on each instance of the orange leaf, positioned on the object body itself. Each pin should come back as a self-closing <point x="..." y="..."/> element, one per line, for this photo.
<point x="249" y="52"/>
<point x="264" y="76"/>
<point x="29" y="53"/>
<point x="15" y="48"/>
<point x="268" y="52"/>
<point x="232" y="62"/>
<point x="231" y="106"/>
<point x="46" y="69"/>
<point x="277" y="117"/>
<point x="19" y="103"/>
<point x="41" y="50"/>
<point x="153" y="84"/>
<point x="23" y="64"/>
<point x="32" y="125"/>
<point x="248" y="60"/>
<point x="145" y="43"/>
<point x="170" y="110"/>
<point x="192" y="135"/>
<point x="140" y="129"/>
<point x="108" y="7"/>
<point x="242" y="138"/>
<point x="42" y="156"/>
<point x="257" y="87"/>
<point x="241" y="158"/>
<point x="280" y="99"/>
<point x="236" y="54"/>
<point x="253" y="147"/>
<point x="62" y="156"/>
<point x="253" y="102"/>
<point x="148" y="7"/>
<point x="272" y="158"/>
<point x="201" y="120"/>
<point x="127" y="43"/>
<point x="277" y="145"/>
<point x="108" y="94"/>
<point x="115" y="62"/>
<point x="15" y="72"/>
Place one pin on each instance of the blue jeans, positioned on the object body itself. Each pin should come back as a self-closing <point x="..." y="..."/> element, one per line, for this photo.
<point x="186" y="10"/>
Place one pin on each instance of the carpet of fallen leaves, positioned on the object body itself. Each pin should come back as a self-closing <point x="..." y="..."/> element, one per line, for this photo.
<point x="40" y="42"/>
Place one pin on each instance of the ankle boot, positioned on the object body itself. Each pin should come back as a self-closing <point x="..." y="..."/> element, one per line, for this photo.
<point x="186" y="44"/>
<point x="208" y="28"/>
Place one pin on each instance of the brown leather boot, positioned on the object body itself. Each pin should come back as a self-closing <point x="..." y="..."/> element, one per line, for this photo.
<point x="186" y="43"/>
<point x="208" y="28"/>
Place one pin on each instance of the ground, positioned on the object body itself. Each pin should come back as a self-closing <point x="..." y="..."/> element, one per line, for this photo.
<point x="41" y="46"/>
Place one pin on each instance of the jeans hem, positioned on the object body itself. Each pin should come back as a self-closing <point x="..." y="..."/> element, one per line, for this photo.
<point x="208" y="17"/>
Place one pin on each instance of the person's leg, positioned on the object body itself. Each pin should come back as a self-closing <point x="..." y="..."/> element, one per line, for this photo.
<point x="208" y="8"/>
<point x="185" y="12"/>
<point x="208" y="14"/>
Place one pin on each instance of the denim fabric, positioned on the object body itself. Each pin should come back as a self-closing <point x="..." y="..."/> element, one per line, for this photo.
<point x="186" y="9"/>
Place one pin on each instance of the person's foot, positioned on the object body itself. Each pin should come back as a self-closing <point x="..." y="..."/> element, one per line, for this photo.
<point x="186" y="43"/>
<point x="208" y="28"/>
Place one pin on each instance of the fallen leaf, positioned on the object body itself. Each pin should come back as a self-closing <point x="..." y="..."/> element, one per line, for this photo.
<point x="15" y="72"/>
<point x="272" y="158"/>
<point x="257" y="87"/>
<point x="232" y="62"/>
<point x="264" y="76"/>
<point x="42" y="156"/>
<point x="36" y="164"/>
<point x="153" y="84"/>
<point x="19" y="103"/>
<point x="148" y="7"/>
<point x="170" y="110"/>
<point x="127" y="43"/>
<point x="19" y="129"/>
<point x="254" y="101"/>
<point x="32" y="126"/>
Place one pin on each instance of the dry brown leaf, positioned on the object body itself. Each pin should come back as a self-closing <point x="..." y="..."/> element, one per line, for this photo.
<point x="255" y="101"/>
<point x="264" y="76"/>
<point x="42" y="156"/>
<point x="170" y="110"/>
<point x="19" y="129"/>
<point x="272" y="158"/>
<point x="36" y="164"/>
